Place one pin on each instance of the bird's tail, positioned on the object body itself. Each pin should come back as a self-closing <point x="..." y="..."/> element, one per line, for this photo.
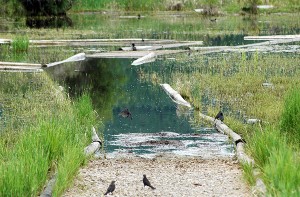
<point x="152" y="187"/>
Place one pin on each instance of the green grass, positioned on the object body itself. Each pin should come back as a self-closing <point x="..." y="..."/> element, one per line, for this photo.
<point x="278" y="161"/>
<point x="152" y="5"/>
<point x="20" y="44"/>
<point x="289" y="121"/>
<point x="43" y="133"/>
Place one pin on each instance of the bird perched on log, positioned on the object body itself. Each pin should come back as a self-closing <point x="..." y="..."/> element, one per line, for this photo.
<point x="125" y="114"/>
<point x="111" y="188"/>
<point x="220" y="116"/>
<point x="133" y="47"/>
<point x="147" y="182"/>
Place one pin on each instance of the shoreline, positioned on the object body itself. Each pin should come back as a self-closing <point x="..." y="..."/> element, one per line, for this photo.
<point x="171" y="175"/>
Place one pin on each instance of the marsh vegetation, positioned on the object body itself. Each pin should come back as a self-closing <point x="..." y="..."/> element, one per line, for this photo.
<point x="38" y="121"/>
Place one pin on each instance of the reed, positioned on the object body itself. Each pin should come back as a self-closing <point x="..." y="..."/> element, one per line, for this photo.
<point x="44" y="133"/>
<point x="20" y="44"/>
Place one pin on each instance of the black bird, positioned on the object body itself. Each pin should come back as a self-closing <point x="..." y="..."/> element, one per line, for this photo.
<point x="133" y="47"/>
<point x="147" y="182"/>
<point x="125" y="114"/>
<point x="220" y="116"/>
<point x="139" y="16"/>
<point x="111" y="188"/>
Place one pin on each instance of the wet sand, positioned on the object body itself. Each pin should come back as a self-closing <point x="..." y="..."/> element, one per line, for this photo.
<point x="170" y="175"/>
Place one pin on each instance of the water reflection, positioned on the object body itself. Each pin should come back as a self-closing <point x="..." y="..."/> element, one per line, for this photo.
<point x="49" y="22"/>
<point x="156" y="124"/>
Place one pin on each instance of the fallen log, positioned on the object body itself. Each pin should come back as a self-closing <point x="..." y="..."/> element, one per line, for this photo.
<point x="164" y="46"/>
<point x="275" y="37"/>
<point x="74" y="58"/>
<point x="253" y="46"/>
<point x="95" y="145"/>
<point x="145" y="59"/>
<point x="174" y="95"/>
<point x="259" y="188"/>
<point x="132" y="54"/>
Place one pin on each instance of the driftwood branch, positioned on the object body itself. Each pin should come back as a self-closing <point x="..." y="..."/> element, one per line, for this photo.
<point x="174" y="95"/>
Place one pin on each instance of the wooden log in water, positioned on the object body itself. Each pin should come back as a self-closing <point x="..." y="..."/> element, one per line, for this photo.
<point x="242" y="156"/>
<point x="246" y="47"/>
<point x="20" y="67"/>
<point x="150" y="57"/>
<point x="49" y="187"/>
<point x="223" y="128"/>
<point x="74" y="58"/>
<point x="174" y="95"/>
<point x="132" y="54"/>
<point x="95" y="145"/>
<point x="275" y="37"/>
<point x="260" y="188"/>
<point x="164" y="46"/>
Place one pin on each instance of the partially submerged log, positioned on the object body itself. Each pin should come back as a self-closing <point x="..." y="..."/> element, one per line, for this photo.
<point x="246" y="47"/>
<point x="95" y="145"/>
<point x="260" y="188"/>
<point x="238" y="140"/>
<point x="49" y="187"/>
<point x="20" y="67"/>
<point x="145" y="59"/>
<point x="174" y="95"/>
<point x="74" y="58"/>
<point x="275" y="37"/>
<point x="132" y="54"/>
<point x="164" y="46"/>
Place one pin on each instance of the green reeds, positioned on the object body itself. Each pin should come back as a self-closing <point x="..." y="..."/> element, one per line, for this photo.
<point x="20" y="44"/>
<point x="290" y="117"/>
<point x="52" y="140"/>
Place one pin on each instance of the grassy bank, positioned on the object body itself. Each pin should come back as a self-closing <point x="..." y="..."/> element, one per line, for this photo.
<point x="210" y="6"/>
<point x="42" y="132"/>
<point x="234" y="83"/>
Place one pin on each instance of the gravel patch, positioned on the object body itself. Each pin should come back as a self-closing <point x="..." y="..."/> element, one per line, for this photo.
<point x="170" y="175"/>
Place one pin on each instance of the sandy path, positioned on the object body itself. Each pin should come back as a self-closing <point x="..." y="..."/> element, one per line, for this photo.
<point x="172" y="176"/>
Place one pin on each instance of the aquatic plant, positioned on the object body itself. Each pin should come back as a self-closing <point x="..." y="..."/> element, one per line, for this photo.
<point x="20" y="44"/>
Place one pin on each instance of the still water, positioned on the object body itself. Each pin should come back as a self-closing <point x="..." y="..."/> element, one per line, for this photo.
<point x="157" y="125"/>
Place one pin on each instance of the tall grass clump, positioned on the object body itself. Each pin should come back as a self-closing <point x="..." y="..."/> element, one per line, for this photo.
<point x="51" y="141"/>
<point x="277" y="160"/>
<point x="281" y="172"/>
<point x="290" y="123"/>
<point x="20" y="44"/>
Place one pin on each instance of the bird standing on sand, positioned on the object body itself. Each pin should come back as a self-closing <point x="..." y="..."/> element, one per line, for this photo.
<point x="147" y="182"/>
<point x="125" y="113"/>
<point x="111" y="188"/>
<point x="220" y="116"/>
<point x="133" y="47"/>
